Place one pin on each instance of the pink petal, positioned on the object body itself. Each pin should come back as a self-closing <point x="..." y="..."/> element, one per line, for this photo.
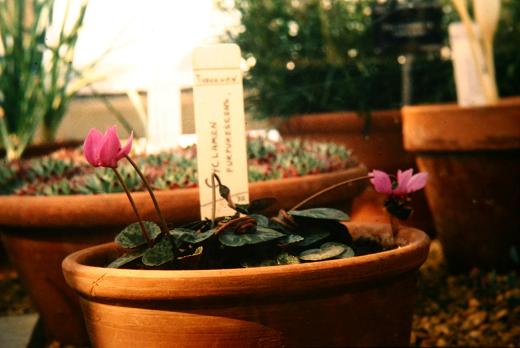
<point x="381" y="181"/>
<point x="92" y="145"/>
<point x="126" y="149"/>
<point x="402" y="181"/>
<point x="417" y="182"/>
<point x="110" y="148"/>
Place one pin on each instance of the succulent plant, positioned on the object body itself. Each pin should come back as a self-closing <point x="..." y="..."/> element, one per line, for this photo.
<point x="65" y="172"/>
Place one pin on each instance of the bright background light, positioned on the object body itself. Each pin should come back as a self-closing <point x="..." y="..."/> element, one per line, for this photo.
<point x="147" y="39"/>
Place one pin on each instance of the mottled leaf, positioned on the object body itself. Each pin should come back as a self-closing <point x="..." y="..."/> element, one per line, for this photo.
<point x="262" y="234"/>
<point x="326" y="251"/>
<point x="290" y="239"/>
<point x="313" y="237"/>
<point x="321" y="213"/>
<point x="126" y="258"/>
<point x="159" y="254"/>
<point x="132" y="236"/>
<point x="185" y="235"/>
<point x="261" y="220"/>
<point x="348" y="253"/>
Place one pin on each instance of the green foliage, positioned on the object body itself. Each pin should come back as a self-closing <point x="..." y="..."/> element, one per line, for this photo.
<point x="315" y="56"/>
<point x="321" y="213"/>
<point x="36" y="75"/>
<point x="326" y="251"/>
<point x="241" y="240"/>
<point x="66" y="172"/>
<point x="132" y="236"/>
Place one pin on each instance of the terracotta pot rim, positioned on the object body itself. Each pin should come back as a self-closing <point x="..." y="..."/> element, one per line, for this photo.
<point x="340" y="121"/>
<point x="451" y="128"/>
<point x="90" y="210"/>
<point x="100" y="282"/>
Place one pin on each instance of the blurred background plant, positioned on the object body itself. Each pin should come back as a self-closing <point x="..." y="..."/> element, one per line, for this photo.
<point x="37" y="78"/>
<point x="65" y="172"/>
<point x="305" y="56"/>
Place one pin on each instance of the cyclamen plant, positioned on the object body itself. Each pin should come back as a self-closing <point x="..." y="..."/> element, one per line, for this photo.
<point x="246" y="238"/>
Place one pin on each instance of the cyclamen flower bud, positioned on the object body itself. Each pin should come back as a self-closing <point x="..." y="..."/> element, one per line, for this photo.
<point x="104" y="150"/>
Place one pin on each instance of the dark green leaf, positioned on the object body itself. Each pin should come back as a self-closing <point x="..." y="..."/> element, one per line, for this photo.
<point x="126" y="258"/>
<point x="132" y="236"/>
<point x="348" y="253"/>
<point x="290" y="239"/>
<point x="313" y="237"/>
<point x="326" y="251"/>
<point x="160" y="253"/>
<point x="262" y="234"/>
<point x="185" y="235"/>
<point x="261" y="220"/>
<point x="321" y="213"/>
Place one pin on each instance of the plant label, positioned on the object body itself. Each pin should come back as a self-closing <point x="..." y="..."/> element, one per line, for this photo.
<point x="220" y="125"/>
<point x="470" y="91"/>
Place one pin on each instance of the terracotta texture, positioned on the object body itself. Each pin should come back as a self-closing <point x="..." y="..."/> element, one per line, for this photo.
<point x="472" y="155"/>
<point x="38" y="232"/>
<point x="362" y="301"/>
<point x="382" y="149"/>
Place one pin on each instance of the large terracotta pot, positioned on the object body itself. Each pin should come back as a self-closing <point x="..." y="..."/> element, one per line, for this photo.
<point x="473" y="158"/>
<point x="38" y="232"/>
<point x="362" y="301"/>
<point x="381" y="148"/>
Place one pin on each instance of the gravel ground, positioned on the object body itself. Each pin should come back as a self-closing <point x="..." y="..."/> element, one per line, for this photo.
<point x="475" y="309"/>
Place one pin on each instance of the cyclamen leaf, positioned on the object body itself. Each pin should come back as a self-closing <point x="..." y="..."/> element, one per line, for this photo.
<point x="314" y="237"/>
<point x="126" y="258"/>
<point x="290" y="239"/>
<point x="321" y="213"/>
<point x="326" y="251"/>
<point x="159" y="254"/>
<point x="132" y="236"/>
<point x="348" y="253"/>
<point x="186" y="235"/>
<point x="261" y="220"/>
<point x="262" y="234"/>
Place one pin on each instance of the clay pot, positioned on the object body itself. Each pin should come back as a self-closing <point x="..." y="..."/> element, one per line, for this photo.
<point x="362" y="301"/>
<point x="472" y="156"/>
<point x="382" y="148"/>
<point x="38" y="232"/>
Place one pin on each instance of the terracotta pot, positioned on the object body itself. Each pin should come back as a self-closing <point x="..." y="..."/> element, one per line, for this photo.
<point x="472" y="155"/>
<point x="382" y="149"/>
<point x="362" y="301"/>
<point x="38" y="232"/>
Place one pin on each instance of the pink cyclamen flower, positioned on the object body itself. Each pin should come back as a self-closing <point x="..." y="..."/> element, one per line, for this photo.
<point x="406" y="182"/>
<point x="104" y="150"/>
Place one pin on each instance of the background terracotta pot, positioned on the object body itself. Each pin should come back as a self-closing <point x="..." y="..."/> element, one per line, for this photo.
<point x="362" y="301"/>
<point x="38" y="232"/>
<point x="380" y="146"/>
<point x="472" y="155"/>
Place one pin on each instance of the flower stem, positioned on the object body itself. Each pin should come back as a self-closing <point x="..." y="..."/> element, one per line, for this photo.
<point x="164" y="226"/>
<point x="139" y="219"/>
<point x="330" y="188"/>
<point x="213" y="200"/>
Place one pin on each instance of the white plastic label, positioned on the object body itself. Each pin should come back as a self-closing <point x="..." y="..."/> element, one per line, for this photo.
<point x="470" y="91"/>
<point x="220" y="125"/>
